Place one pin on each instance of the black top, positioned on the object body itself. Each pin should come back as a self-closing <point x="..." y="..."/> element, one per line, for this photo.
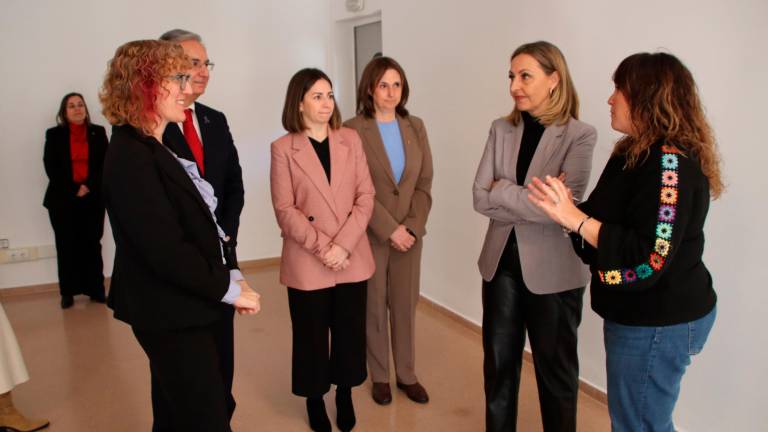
<point x="62" y="189"/>
<point x="532" y="132"/>
<point x="324" y="154"/>
<point x="168" y="271"/>
<point x="647" y="269"/>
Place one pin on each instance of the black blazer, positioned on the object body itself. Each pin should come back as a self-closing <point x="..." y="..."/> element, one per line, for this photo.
<point x="168" y="271"/>
<point x="222" y="165"/>
<point x="62" y="190"/>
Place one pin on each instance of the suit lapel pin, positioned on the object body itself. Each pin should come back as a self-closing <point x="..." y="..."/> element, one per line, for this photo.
<point x="205" y="120"/>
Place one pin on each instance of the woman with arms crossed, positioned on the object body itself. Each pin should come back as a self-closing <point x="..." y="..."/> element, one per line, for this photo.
<point x="641" y="232"/>
<point x="400" y="162"/>
<point x="532" y="280"/>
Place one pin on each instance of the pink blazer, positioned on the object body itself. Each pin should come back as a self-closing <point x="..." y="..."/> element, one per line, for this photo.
<point x="312" y="213"/>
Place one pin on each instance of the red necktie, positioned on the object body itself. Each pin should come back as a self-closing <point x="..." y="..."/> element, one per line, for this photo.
<point x="193" y="141"/>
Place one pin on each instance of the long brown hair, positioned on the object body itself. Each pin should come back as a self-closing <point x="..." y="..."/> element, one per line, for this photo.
<point x="372" y="74"/>
<point x="664" y="104"/>
<point x="563" y="102"/>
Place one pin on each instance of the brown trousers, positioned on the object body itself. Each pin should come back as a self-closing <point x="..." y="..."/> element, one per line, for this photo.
<point x="393" y="292"/>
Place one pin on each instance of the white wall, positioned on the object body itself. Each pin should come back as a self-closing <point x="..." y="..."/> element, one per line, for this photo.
<point x="51" y="48"/>
<point x="455" y="54"/>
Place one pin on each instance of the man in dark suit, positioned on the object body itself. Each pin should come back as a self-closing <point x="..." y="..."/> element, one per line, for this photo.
<point x="204" y="137"/>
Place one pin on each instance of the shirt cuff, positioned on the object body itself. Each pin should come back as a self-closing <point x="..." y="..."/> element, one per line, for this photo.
<point x="234" y="287"/>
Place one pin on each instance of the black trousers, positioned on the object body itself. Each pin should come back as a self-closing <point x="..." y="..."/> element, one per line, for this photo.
<point x="339" y="310"/>
<point x="191" y="377"/>
<point x="552" y="320"/>
<point x="78" y="229"/>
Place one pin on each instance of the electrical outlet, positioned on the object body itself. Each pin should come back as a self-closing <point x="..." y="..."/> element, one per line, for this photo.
<point x="5" y="243"/>
<point x="18" y="255"/>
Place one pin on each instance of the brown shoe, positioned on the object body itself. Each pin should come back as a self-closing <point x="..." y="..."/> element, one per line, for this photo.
<point x="12" y="420"/>
<point x="415" y="392"/>
<point x="381" y="393"/>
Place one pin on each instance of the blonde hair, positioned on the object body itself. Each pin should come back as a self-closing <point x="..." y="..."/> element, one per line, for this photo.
<point x="563" y="101"/>
<point x="134" y="80"/>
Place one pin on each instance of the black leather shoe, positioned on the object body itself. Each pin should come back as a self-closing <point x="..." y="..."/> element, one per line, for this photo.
<point x="415" y="392"/>
<point x="67" y="301"/>
<point x="318" y="418"/>
<point x="345" y="411"/>
<point x="381" y="393"/>
<point x="98" y="298"/>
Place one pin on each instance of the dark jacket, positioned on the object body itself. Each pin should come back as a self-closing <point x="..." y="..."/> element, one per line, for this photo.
<point x="168" y="269"/>
<point x="222" y="165"/>
<point x="62" y="189"/>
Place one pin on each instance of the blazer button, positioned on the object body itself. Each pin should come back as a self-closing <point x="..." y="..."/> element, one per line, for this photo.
<point x="396" y="192"/>
<point x="311" y="218"/>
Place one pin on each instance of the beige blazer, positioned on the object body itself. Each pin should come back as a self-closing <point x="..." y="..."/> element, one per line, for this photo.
<point x="312" y="213"/>
<point x="13" y="371"/>
<point x="547" y="259"/>
<point x="409" y="201"/>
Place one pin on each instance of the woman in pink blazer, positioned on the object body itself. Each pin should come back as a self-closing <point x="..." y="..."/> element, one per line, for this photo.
<point x="323" y="199"/>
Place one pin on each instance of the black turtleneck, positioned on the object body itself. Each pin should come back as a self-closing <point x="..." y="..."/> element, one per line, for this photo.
<point x="532" y="132"/>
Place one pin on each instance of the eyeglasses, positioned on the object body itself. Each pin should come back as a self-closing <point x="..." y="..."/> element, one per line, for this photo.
<point x="182" y="79"/>
<point x="206" y="64"/>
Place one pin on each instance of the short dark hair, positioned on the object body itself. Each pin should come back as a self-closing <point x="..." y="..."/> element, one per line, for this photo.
<point x="299" y="85"/>
<point x="61" y="117"/>
<point x="374" y="70"/>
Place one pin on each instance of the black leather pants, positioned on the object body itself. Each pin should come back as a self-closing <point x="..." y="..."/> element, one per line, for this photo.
<point x="551" y="320"/>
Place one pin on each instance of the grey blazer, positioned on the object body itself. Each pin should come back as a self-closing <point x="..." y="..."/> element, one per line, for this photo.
<point x="547" y="259"/>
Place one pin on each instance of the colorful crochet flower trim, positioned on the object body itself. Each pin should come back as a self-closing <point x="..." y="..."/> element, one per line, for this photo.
<point x="664" y="227"/>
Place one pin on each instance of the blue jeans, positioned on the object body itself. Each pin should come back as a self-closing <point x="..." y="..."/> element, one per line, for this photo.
<point x="645" y="366"/>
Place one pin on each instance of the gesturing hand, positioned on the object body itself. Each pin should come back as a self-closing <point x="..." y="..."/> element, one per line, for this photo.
<point x="401" y="240"/>
<point x="555" y="199"/>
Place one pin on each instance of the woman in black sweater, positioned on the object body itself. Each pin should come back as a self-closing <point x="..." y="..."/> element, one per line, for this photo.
<point x="641" y="232"/>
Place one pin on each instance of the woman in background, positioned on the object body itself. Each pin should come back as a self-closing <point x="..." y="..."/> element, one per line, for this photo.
<point x="74" y="161"/>
<point x="400" y="162"/>
<point x="532" y="280"/>
<point x="323" y="198"/>
<point x="642" y="233"/>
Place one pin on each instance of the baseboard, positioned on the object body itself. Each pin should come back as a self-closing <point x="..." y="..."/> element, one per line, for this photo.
<point x="248" y="265"/>
<point x="258" y="264"/>
<point x="585" y="386"/>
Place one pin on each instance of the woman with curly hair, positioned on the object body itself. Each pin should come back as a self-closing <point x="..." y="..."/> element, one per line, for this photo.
<point x="173" y="281"/>
<point x="642" y="233"/>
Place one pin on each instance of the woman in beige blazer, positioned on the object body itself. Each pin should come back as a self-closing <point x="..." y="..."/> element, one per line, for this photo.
<point x="400" y="162"/>
<point x="323" y="198"/>
<point x="532" y="280"/>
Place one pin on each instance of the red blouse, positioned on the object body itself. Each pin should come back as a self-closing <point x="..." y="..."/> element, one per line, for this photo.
<point x="78" y="150"/>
